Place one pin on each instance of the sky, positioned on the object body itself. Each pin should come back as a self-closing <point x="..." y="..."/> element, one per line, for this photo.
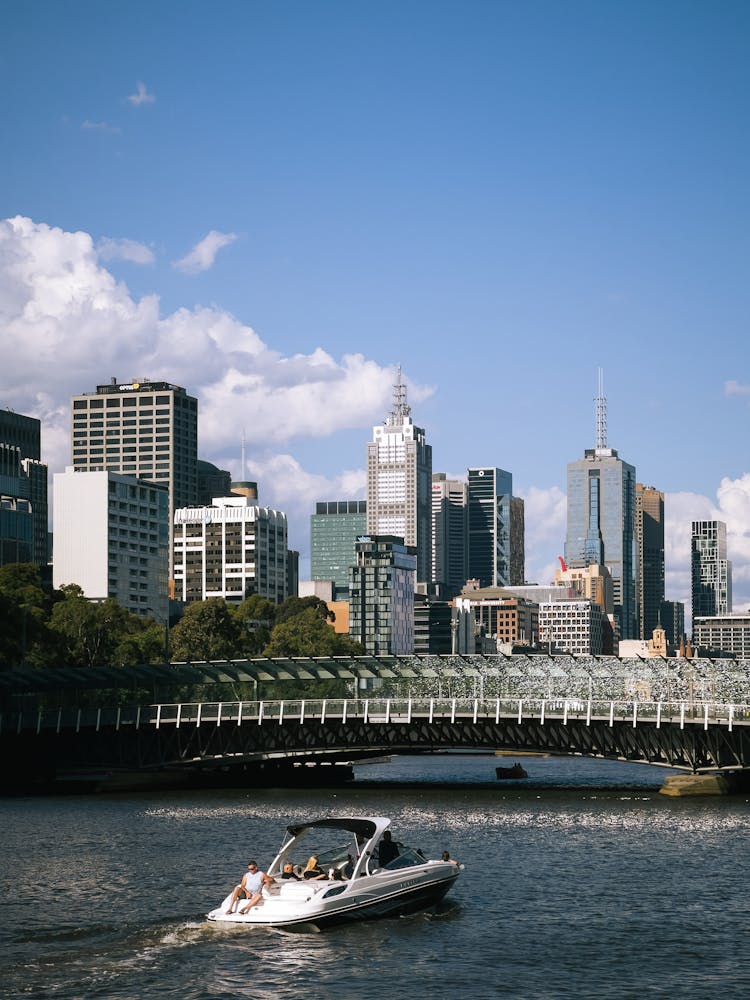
<point x="275" y="204"/>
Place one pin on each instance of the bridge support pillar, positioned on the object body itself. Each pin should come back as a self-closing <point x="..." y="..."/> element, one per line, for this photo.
<point x="681" y="785"/>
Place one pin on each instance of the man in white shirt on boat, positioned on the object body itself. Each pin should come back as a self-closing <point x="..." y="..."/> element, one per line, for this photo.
<point x="251" y="885"/>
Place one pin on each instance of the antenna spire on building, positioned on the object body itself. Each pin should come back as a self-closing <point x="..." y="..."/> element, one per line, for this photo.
<point x="244" y="464"/>
<point x="601" y="415"/>
<point x="401" y="408"/>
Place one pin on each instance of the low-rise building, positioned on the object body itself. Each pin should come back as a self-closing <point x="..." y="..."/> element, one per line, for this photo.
<point x="571" y="627"/>
<point x="722" y="635"/>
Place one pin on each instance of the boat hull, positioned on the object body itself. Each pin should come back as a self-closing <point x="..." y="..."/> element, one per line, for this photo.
<point x="365" y="901"/>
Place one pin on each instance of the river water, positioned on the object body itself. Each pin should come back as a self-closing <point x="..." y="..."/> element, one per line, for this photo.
<point x="583" y="882"/>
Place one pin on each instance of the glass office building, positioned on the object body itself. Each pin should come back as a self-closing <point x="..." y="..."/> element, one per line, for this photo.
<point x="334" y="529"/>
<point x="711" y="571"/>
<point x="488" y="526"/>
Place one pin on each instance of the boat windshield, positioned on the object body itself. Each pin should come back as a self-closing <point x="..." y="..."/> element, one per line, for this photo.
<point x="406" y="859"/>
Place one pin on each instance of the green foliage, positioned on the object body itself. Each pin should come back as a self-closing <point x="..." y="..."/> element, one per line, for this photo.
<point x="255" y="617"/>
<point x="307" y="634"/>
<point x="208" y="630"/>
<point x="294" y="606"/>
<point x="24" y="609"/>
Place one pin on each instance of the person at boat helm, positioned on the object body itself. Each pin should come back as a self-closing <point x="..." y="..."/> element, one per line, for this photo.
<point x="288" y="871"/>
<point x="313" y="869"/>
<point x="387" y="850"/>
<point x="251" y="886"/>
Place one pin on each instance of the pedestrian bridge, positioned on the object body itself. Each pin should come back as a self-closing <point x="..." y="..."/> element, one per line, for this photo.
<point x="212" y="735"/>
<point x="686" y="714"/>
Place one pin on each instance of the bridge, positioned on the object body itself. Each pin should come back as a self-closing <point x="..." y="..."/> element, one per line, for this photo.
<point x="692" y="715"/>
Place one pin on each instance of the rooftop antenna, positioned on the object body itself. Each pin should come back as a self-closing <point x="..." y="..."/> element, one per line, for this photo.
<point x="244" y="465"/>
<point x="401" y="408"/>
<point x="601" y="415"/>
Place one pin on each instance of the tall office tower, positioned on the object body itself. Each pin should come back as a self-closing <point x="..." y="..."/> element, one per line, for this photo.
<point x="601" y="518"/>
<point x="230" y="549"/>
<point x="488" y="532"/>
<point x="399" y="480"/>
<point x="334" y="529"/>
<point x="711" y="570"/>
<point x="672" y="619"/>
<point x="212" y="482"/>
<point x="517" y="542"/>
<point x="381" y="595"/>
<point x="111" y="538"/>
<point x="23" y="488"/>
<point x="449" y="497"/>
<point x="649" y="557"/>
<point x="145" y="429"/>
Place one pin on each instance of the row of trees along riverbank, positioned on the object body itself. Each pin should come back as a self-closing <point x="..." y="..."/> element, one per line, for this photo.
<point x="61" y="628"/>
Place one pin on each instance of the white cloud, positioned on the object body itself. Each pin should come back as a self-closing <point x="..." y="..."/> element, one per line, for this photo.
<point x="141" y="96"/>
<point x="100" y="127"/>
<point x="67" y="325"/>
<point x="203" y="254"/>
<point x="124" y="249"/>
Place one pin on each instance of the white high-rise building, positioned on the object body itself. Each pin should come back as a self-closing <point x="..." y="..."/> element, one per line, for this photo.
<point x="399" y="482"/>
<point x="144" y="428"/>
<point x="232" y="549"/>
<point x="111" y="537"/>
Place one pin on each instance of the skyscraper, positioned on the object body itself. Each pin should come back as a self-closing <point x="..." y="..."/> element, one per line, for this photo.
<point x="334" y="529"/>
<point x="488" y="533"/>
<point x="144" y="429"/>
<point x="601" y="518"/>
<point x="649" y="558"/>
<point x="23" y="491"/>
<point x="399" y="481"/>
<point x="711" y="570"/>
<point x="381" y="595"/>
<point x="449" y="497"/>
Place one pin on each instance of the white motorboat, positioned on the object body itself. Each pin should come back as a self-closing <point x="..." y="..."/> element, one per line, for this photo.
<point x="354" y="886"/>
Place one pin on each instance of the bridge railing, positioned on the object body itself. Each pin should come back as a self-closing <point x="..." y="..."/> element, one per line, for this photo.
<point x="375" y="711"/>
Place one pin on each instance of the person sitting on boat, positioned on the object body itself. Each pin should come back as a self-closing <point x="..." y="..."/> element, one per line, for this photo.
<point x="445" y="856"/>
<point x="387" y="850"/>
<point x="251" y="885"/>
<point x="288" y="871"/>
<point x="313" y="869"/>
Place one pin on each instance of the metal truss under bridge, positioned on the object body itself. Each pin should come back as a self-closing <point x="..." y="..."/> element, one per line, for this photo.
<point x="685" y="734"/>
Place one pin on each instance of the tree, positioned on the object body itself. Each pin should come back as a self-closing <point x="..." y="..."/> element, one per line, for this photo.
<point x="255" y="617"/>
<point x="307" y="634"/>
<point x="24" y="607"/>
<point x="208" y="630"/>
<point x="297" y="605"/>
<point x="90" y="634"/>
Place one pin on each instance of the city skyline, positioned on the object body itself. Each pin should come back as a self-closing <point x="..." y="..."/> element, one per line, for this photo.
<point x="499" y="199"/>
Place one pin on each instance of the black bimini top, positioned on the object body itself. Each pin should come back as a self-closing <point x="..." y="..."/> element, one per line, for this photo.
<point x="364" y="826"/>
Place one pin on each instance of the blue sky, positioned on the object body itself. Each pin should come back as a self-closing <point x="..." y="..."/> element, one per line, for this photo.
<point x="501" y="197"/>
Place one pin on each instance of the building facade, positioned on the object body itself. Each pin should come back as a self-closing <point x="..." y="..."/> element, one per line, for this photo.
<point x="573" y="627"/>
<point x="711" y="571"/>
<point x="601" y="520"/>
<point x="449" y="498"/>
<point x="112" y="539"/>
<point x="231" y="549"/>
<point x="501" y="616"/>
<point x="24" y="506"/>
<point x="334" y="529"/>
<point x="672" y="618"/>
<point x="649" y="558"/>
<point x="399" y="482"/>
<point x="517" y="542"/>
<point x="144" y="429"/>
<point x="722" y="635"/>
<point x="489" y="526"/>
<point x="381" y="595"/>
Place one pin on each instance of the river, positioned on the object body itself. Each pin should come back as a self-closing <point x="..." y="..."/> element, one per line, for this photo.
<point x="583" y="882"/>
